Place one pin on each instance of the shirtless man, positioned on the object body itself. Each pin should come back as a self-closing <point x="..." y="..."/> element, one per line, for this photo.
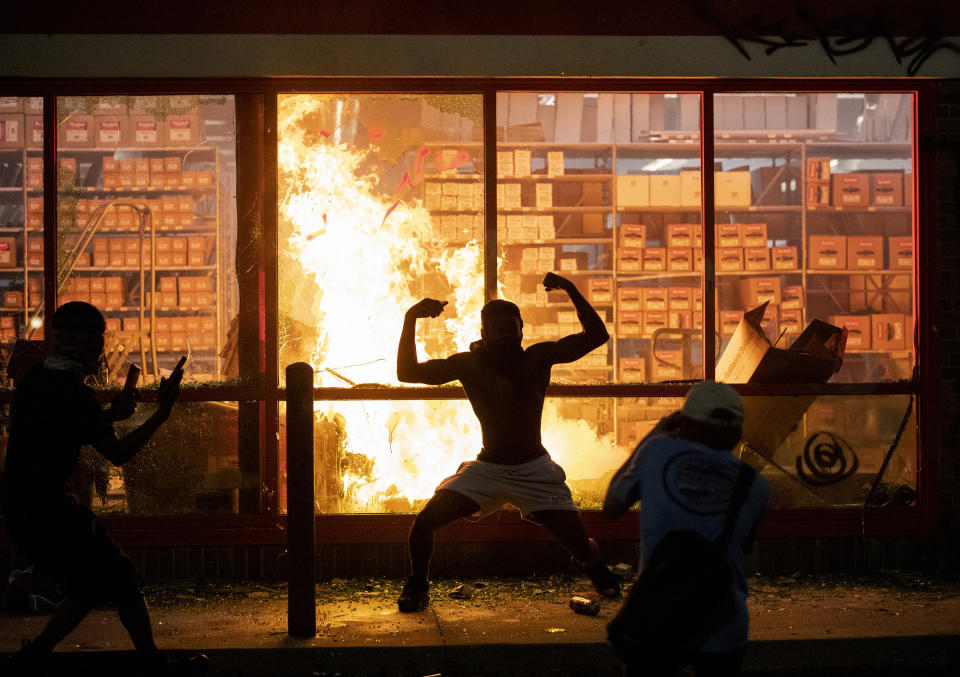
<point x="506" y="386"/>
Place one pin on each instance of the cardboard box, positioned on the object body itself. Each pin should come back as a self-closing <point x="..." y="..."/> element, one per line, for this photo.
<point x="664" y="190"/>
<point x="858" y="330"/>
<point x="755" y="291"/>
<point x="813" y="357"/>
<point x="864" y="252"/>
<point x="33" y="131"/>
<point x="632" y="369"/>
<point x="668" y="365"/>
<point x="653" y="320"/>
<point x="654" y="258"/>
<point x="753" y="234"/>
<point x="8" y="252"/>
<point x="113" y="300"/>
<point x="679" y="298"/>
<point x="633" y="235"/>
<point x="678" y="258"/>
<point x="633" y="190"/>
<point x="690" y="192"/>
<point x="730" y="258"/>
<point x="851" y="190"/>
<point x="172" y="163"/>
<point x="630" y="323"/>
<point x="732" y="189"/>
<point x="13" y="299"/>
<point x="818" y="195"/>
<point x="818" y="169"/>
<point x="680" y="319"/>
<point x="111" y="131"/>
<point x="630" y="259"/>
<point x="784" y="258"/>
<point x="11" y="104"/>
<point x="791" y="321"/>
<point x="77" y="131"/>
<point x="729" y="235"/>
<point x="886" y="189"/>
<point x="756" y="258"/>
<point x="146" y="132"/>
<point x="684" y="235"/>
<point x="881" y="293"/>
<point x="630" y="298"/>
<point x="12" y="132"/>
<point x="828" y="252"/>
<point x="181" y="131"/>
<point x="600" y="290"/>
<point x="655" y="298"/>
<point x="901" y="253"/>
<point x="888" y="332"/>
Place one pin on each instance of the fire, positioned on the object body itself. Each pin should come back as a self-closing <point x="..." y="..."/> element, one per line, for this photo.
<point x="359" y="253"/>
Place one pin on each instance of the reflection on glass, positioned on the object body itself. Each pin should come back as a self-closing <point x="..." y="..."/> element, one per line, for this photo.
<point x="814" y="218"/>
<point x="190" y="465"/>
<point x="21" y="223"/>
<point x="835" y="453"/>
<point x="605" y="188"/>
<point x="145" y="230"/>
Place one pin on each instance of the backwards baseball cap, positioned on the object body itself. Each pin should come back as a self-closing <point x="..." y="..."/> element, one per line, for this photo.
<point x="715" y="404"/>
<point x="499" y="307"/>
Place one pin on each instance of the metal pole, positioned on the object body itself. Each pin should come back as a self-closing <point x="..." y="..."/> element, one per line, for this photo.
<point x="301" y="552"/>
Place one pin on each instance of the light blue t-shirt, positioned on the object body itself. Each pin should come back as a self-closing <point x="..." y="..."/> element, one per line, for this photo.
<point x="685" y="485"/>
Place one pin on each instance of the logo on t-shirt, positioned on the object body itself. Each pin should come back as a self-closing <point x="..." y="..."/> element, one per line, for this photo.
<point x="699" y="484"/>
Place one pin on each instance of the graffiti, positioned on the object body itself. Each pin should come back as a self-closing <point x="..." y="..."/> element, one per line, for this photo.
<point x="840" y="36"/>
<point x="827" y="459"/>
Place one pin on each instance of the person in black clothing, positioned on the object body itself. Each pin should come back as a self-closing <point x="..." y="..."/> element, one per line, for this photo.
<point x="506" y="386"/>
<point x="53" y="415"/>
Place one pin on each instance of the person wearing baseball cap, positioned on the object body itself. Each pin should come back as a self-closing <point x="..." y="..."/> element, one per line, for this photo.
<point x="684" y="475"/>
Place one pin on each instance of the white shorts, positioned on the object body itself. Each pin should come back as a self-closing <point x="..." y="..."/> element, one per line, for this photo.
<point x="539" y="484"/>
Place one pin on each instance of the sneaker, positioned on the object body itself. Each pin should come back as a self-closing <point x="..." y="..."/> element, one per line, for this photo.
<point x="605" y="581"/>
<point x="415" y="595"/>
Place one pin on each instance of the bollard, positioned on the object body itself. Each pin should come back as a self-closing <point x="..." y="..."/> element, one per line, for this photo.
<point x="301" y="541"/>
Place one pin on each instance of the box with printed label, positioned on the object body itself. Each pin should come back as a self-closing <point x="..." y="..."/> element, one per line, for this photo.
<point x="753" y="234"/>
<point x="732" y="189"/>
<point x="828" y="252"/>
<point x="654" y="258"/>
<point x="888" y="332"/>
<point x="729" y="235"/>
<point x="630" y="323"/>
<point x="630" y="258"/>
<point x="881" y="293"/>
<point x="901" y="253"/>
<point x="818" y="194"/>
<point x="858" y="330"/>
<point x="655" y="298"/>
<point x="8" y="252"/>
<point x="11" y="131"/>
<point x="633" y="235"/>
<point x="886" y="189"/>
<point x="11" y="104"/>
<point x="667" y="365"/>
<point x="681" y="319"/>
<point x="864" y="252"/>
<point x="76" y="131"/>
<point x="683" y="234"/>
<point x="600" y="289"/>
<point x="33" y="131"/>
<point x="13" y="299"/>
<point x="730" y="258"/>
<point x="544" y="195"/>
<point x="146" y="132"/>
<point x="653" y="320"/>
<point x="818" y="169"/>
<point x="630" y="298"/>
<point x="111" y="131"/>
<point x="680" y="298"/>
<point x="632" y="369"/>
<point x="181" y="130"/>
<point x="665" y="190"/>
<point x="851" y="190"/>
<point x="633" y="190"/>
<point x="568" y="262"/>
<point x="756" y="258"/>
<point x="690" y="189"/>
<point x="757" y="290"/>
<point x="679" y="258"/>
<point x="791" y="321"/>
<point x="784" y="258"/>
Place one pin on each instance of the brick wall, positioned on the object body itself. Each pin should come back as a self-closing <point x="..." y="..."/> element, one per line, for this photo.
<point x="948" y="310"/>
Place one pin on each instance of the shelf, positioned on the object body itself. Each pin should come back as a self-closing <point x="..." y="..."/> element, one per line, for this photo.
<point x="558" y="240"/>
<point x="114" y="151"/>
<point x="563" y="210"/>
<point x="865" y="208"/>
<point x="745" y="273"/>
<point x="138" y="190"/>
<point x="563" y="273"/>
<point x="561" y="177"/>
<point x="868" y="271"/>
<point x="633" y="275"/>
<point x="146" y="310"/>
<point x="146" y="269"/>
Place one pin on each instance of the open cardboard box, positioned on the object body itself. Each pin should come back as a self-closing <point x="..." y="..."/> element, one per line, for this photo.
<point x="813" y="357"/>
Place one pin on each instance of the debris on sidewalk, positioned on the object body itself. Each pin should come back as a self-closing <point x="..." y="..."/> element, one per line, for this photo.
<point x="584" y="605"/>
<point x="464" y="591"/>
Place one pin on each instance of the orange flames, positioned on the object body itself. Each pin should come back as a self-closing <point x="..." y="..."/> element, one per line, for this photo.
<point x="361" y="253"/>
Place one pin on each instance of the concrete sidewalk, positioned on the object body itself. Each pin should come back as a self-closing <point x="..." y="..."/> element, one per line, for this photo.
<point x="825" y="626"/>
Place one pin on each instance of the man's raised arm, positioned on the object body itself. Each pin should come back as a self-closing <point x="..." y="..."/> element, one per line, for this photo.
<point x="594" y="334"/>
<point x="409" y="368"/>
